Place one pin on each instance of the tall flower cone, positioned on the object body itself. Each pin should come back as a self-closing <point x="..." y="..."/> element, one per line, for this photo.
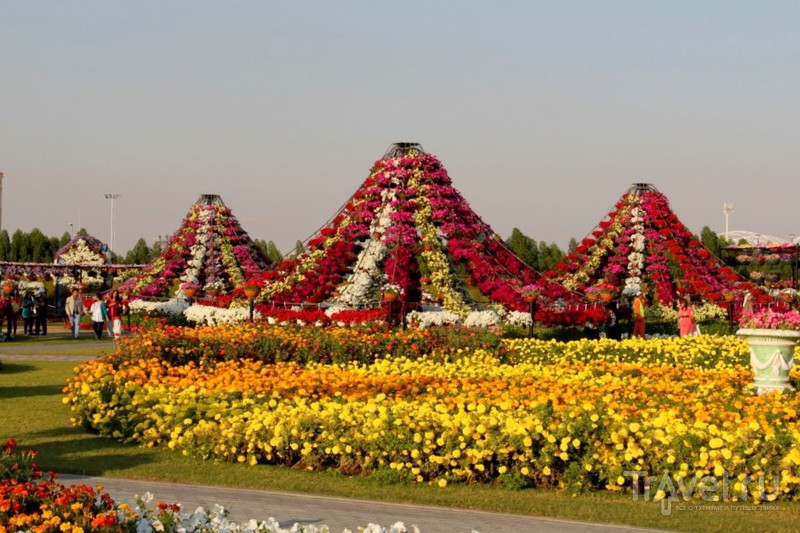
<point x="210" y="249"/>
<point x="406" y="226"/>
<point x="642" y="245"/>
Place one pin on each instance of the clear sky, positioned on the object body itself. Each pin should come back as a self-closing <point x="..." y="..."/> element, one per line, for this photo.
<point x="544" y="113"/>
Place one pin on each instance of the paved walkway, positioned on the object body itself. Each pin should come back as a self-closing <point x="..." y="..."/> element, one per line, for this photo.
<point x="339" y="513"/>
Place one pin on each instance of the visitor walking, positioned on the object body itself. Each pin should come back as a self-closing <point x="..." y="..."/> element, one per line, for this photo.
<point x="686" y="324"/>
<point x="639" y="310"/>
<point x="74" y="309"/>
<point x="99" y="313"/>
<point x="40" y="313"/>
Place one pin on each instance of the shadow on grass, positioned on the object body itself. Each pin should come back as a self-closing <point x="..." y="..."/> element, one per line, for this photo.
<point x="29" y="391"/>
<point x="15" y="368"/>
<point x="73" y="451"/>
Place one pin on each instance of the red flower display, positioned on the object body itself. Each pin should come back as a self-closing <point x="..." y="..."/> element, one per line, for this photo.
<point x="650" y="250"/>
<point x="406" y="222"/>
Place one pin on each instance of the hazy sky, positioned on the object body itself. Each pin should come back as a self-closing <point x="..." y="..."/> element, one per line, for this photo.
<point x="543" y="113"/>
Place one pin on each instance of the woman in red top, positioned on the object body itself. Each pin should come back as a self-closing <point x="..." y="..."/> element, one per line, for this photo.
<point x="686" y="325"/>
<point x="114" y="305"/>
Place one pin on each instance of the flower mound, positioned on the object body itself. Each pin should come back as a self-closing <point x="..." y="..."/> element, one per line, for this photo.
<point x="409" y="230"/>
<point x="642" y="244"/>
<point x="210" y="251"/>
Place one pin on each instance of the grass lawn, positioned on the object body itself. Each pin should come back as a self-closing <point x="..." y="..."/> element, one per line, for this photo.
<point x="32" y="412"/>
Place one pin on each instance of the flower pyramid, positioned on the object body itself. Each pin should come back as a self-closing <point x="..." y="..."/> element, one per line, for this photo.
<point x="210" y="251"/>
<point x="642" y="245"/>
<point x="408" y="231"/>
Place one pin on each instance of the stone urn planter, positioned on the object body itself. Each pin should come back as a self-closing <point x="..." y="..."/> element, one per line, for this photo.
<point x="771" y="357"/>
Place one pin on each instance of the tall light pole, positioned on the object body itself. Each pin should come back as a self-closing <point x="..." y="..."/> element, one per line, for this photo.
<point x="111" y="197"/>
<point x="727" y="209"/>
<point x="1" y="200"/>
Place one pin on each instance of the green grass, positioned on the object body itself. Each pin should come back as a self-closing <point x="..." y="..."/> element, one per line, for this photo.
<point x="32" y="412"/>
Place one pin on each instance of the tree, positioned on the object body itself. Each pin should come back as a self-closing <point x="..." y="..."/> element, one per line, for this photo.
<point x="299" y="248"/>
<point x="549" y="256"/>
<point x="39" y="247"/>
<point x="572" y="245"/>
<point x="269" y="250"/>
<point x="5" y="246"/>
<point x="712" y="241"/>
<point x="139" y="254"/>
<point x="523" y="247"/>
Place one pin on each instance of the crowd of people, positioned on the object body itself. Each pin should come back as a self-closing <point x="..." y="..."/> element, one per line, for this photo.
<point x="32" y="308"/>
<point x="105" y="310"/>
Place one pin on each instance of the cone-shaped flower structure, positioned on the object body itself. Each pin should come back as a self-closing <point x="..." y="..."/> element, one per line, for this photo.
<point x="642" y="245"/>
<point x="209" y="252"/>
<point x="406" y="231"/>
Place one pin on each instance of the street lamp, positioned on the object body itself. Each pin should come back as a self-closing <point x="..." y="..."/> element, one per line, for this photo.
<point x="727" y="209"/>
<point x="111" y="197"/>
<point x="71" y="230"/>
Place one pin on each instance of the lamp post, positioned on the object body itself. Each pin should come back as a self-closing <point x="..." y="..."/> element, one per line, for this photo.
<point x="111" y="197"/>
<point x="71" y="230"/>
<point x="727" y="209"/>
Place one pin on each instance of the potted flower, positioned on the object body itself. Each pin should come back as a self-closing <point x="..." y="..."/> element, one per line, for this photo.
<point x="772" y="336"/>
<point x="530" y="293"/>
<point x="391" y="292"/>
<point x="250" y="289"/>
<point x="607" y="292"/>
<point x="592" y="293"/>
<point x="9" y="285"/>
<point x="190" y="288"/>
<point x="213" y="288"/>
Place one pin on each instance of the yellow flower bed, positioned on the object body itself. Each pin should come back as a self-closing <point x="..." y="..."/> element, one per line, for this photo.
<point x="576" y="415"/>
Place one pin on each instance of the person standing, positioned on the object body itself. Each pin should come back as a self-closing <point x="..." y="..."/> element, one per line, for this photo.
<point x="114" y="315"/>
<point x="74" y="309"/>
<point x="639" y="310"/>
<point x="686" y="324"/>
<point x="27" y="313"/>
<point x="99" y="313"/>
<point x="40" y="312"/>
<point x="12" y="311"/>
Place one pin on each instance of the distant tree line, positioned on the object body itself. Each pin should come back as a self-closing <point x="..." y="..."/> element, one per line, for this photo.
<point x="35" y="247"/>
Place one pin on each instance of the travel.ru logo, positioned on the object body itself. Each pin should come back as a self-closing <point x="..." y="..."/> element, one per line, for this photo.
<point x="669" y="489"/>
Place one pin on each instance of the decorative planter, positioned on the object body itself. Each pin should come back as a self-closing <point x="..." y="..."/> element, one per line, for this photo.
<point x="8" y="288"/>
<point x="771" y="357"/>
<point x="606" y="296"/>
<point x="530" y="297"/>
<point x="390" y="296"/>
<point x="250" y="293"/>
<point x="427" y="247"/>
<point x="592" y="296"/>
<point x="212" y="292"/>
<point x="190" y="292"/>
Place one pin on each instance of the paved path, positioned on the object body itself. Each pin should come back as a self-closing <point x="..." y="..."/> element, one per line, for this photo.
<point x="338" y="513"/>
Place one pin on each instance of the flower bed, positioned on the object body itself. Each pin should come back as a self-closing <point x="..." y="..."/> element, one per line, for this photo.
<point x="270" y="343"/>
<point x="30" y="501"/>
<point x="575" y="415"/>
